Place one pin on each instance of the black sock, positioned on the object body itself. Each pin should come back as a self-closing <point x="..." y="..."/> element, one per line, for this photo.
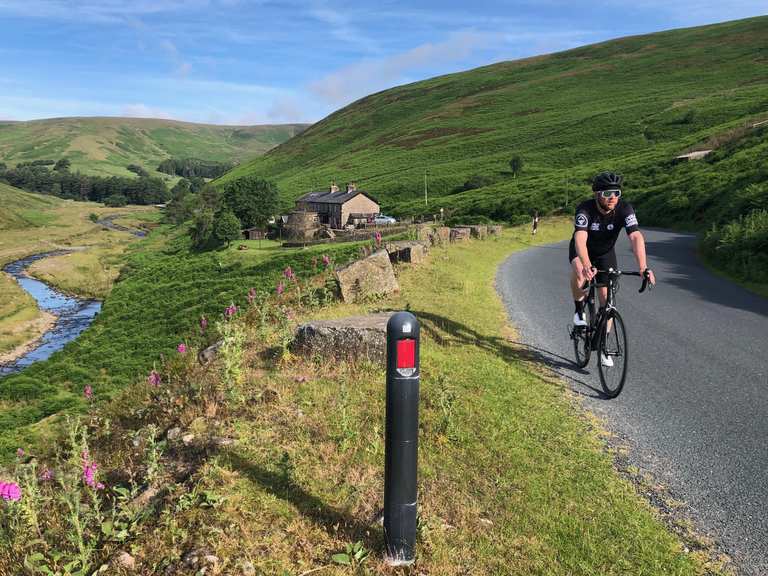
<point x="579" y="306"/>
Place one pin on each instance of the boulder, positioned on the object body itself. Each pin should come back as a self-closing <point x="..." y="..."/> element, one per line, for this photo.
<point x="209" y="354"/>
<point x="442" y="235"/>
<point x="479" y="231"/>
<point x="352" y="339"/>
<point x="460" y="234"/>
<point x="425" y="233"/>
<point x="406" y="251"/>
<point x="370" y="276"/>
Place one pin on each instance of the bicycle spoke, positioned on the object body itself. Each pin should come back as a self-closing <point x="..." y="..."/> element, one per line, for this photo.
<point x="612" y="361"/>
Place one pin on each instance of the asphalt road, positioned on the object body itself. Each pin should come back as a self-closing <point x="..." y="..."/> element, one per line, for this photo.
<point x="694" y="409"/>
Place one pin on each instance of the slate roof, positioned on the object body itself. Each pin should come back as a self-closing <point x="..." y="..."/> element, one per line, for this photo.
<point x="328" y="197"/>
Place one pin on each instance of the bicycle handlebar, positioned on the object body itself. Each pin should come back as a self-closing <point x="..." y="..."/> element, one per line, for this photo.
<point x="645" y="276"/>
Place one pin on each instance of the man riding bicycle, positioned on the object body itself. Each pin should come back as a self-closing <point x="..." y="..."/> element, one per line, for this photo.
<point x="597" y="226"/>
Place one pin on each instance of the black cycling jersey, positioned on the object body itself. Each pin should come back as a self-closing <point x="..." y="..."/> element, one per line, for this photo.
<point x="602" y="229"/>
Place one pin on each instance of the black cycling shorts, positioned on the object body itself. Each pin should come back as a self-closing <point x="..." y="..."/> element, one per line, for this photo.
<point x="602" y="262"/>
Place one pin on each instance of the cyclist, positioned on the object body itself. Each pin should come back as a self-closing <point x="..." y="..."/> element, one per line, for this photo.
<point x="597" y="226"/>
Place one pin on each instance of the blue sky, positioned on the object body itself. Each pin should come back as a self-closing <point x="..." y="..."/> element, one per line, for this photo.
<point x="257" y="61"/>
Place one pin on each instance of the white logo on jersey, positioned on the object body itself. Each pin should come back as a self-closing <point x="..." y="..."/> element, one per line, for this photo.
<point x="595" y="226"/>
<point x="581" y="220"/>
<point x="610" y="226"/>
<point x="630" y="220"/>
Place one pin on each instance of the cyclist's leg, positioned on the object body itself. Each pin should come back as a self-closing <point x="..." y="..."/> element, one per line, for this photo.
<point x="604" y="262"/>
<point x="577" y="277"/>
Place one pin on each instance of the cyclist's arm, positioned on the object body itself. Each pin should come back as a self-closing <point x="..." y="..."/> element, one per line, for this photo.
<point x="638" y="247"/>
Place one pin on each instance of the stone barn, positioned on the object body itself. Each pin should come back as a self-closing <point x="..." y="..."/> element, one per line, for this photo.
<point x="336" y="208"/>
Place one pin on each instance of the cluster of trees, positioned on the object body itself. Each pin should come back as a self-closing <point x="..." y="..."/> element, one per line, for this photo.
<point x="191" y="167"/>
<point x="113" y="190"/>
<point x="218" y="215"/>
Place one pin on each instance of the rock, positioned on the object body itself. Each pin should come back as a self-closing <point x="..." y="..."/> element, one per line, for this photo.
<point x="478" y="231"/>
<point x="442" y="235"/>
<point x="495" y="230"/>
<point x="460" y="234"/>
<point x="326" y="233"/>
<point x="187" y="439"/>
<point x="369" y="276"/>
<point x="242" y="247"/>
<point x="406" y="251"/>
<point x="354" y="338"/>
<point x="125" y="561"/>
<point x="143" y="500"/>
<point x="209" y="354"/>
<point x="173" y="434"/>
<point x="425" y="233"/>
<point x="247" y="568"/>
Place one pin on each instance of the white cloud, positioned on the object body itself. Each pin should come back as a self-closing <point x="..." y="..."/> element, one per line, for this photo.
<point x="140" y="110"/>
<point x="367" y="76"/>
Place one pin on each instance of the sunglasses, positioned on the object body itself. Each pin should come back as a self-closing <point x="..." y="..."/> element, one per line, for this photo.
<point x="609" y="193"/>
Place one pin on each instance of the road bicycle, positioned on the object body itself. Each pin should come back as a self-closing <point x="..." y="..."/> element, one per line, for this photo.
<point x="605" y="332"/>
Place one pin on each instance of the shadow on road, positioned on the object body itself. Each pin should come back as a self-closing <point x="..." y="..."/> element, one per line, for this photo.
<point x="679" y="253"/>
<point x="446" y="331"/>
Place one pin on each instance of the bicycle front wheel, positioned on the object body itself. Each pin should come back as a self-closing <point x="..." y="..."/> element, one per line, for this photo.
<point x="614" y="354"/>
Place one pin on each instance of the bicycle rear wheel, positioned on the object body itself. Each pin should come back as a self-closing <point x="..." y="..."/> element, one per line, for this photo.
<point x="614" y="354"/>
<point x="582" y="347"/>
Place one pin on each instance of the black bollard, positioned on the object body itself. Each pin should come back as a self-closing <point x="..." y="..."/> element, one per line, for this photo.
<point x="402" y="435"/>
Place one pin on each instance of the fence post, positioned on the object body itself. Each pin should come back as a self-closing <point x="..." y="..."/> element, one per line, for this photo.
<point x="401" y="439"/>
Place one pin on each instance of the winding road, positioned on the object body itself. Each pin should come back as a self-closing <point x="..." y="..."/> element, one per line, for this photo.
<point x="694" y="410"/>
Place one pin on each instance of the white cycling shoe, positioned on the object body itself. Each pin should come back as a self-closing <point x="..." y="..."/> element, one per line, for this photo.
<point x="579" y="321"/>
<point x="606" y="361"/>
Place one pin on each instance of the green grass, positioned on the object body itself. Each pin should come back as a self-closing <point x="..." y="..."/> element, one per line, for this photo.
<point x="161" y="293"/>
<point x="106" y="146"/>
<point x="630" y="105"/>
<point x="513" y="479"/>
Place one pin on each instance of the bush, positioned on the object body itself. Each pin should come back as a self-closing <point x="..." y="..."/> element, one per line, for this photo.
<point x="115" y="201"/>
<point x="741" y="246"/>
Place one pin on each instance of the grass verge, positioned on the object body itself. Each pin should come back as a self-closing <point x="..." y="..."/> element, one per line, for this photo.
<point x="281" y="472"/>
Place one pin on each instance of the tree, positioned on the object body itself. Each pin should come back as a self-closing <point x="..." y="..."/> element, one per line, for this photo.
<point x="202" y="228"/>
<point x="138" y="170"/>
<point x="62" y="165"/>
<point x="115" y="201"/>
<point x="227" y="227"/>
<point x="516" y="165"/>
<point x="253" y="200"/>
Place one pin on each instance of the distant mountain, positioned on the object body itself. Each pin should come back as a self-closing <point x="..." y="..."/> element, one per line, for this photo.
<point x="105" y="146"/>
<point x="631" y="104"/>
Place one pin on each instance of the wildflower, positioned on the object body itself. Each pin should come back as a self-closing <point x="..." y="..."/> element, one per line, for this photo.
<point x="326" y="260"/>
<point x="100" y="486"/>
<point x="289" y="273"/>
<point x="10" y="491"/>
<point x="251" y="295"/>
<point x="88" y="392"/>
<point x="280" y="288"/>
<point x="182" y="348"/>
<point x="20" y="453"/>
<point x="154" y="378"/>
<point x="46" y="475"/>
<point x="230" y="311"/>
<point x="89" y="471"/>
<point x="203" y="324"/>
<point x="377" y="238"/>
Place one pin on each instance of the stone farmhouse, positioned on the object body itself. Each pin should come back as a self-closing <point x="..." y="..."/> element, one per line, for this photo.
<point x="336" y="208"/>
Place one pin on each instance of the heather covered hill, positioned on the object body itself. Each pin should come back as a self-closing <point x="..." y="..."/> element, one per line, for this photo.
<point x="631" y="104"/>
<point x="106" y="146"/>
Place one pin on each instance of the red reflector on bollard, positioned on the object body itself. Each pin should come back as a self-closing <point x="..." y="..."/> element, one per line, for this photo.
<point x="406" y="353"/>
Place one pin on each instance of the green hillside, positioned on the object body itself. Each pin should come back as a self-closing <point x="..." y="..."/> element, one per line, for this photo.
<point x="631" y="105"/>
<point x="19" y="209"/>
<point x="105" y="146"/>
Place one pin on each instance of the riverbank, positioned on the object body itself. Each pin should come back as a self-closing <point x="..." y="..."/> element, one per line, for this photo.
<point x="33" y="331"/>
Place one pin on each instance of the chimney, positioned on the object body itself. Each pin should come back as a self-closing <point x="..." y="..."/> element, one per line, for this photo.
<point x="351" y="187"/>
<point x="334" y="188"/>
